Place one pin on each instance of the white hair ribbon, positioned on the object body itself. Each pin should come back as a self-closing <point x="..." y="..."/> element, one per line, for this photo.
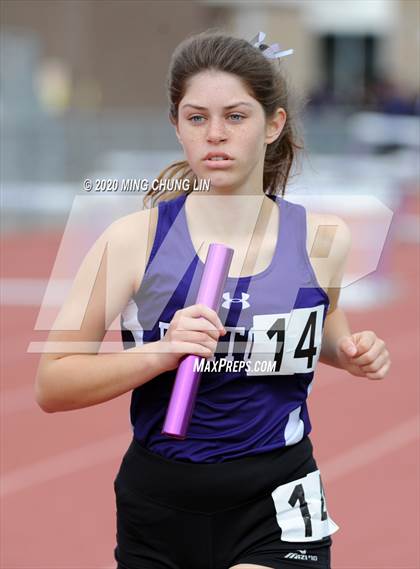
<point x="271" y="52"/>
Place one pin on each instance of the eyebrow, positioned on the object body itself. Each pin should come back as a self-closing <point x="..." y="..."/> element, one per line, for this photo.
<point x="227" y="107"/>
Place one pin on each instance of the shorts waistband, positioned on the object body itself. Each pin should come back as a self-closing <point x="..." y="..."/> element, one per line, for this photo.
<point x="215" y="486"/>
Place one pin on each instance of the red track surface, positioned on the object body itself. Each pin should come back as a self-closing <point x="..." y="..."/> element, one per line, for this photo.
<point x="364" y="433"/>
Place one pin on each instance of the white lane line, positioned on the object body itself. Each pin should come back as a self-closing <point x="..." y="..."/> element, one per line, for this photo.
<point x="371" y="450"/>
<point x="64" y="463"/>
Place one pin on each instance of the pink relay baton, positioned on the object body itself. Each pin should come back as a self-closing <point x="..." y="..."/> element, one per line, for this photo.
<point x="187" y="380"/>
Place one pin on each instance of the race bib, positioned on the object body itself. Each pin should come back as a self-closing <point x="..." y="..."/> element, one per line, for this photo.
<point x="301" y="509"/>
<point x="286" y="343"/>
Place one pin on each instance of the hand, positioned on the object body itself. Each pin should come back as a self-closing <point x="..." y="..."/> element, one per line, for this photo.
<point x="192" y="330"/>
<point x="364" y="354"/>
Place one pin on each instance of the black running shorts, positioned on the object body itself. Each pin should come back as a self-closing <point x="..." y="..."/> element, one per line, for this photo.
<point x="267" y="509"/>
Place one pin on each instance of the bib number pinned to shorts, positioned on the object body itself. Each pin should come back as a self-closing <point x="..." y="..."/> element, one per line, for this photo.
<point x="301" y="509"/>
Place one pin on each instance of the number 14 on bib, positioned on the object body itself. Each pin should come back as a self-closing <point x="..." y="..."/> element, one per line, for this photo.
<point x="290" y="341"/>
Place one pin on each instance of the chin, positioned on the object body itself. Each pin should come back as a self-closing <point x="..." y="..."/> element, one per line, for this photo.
<point x="221" y="179"/>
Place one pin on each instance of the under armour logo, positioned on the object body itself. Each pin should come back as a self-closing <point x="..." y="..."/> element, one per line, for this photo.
<point x="229" y="300"/>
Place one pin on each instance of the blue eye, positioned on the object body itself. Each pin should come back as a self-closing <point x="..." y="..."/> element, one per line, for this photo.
<point x="192" y="119"/>
<point x="237" y="115"/>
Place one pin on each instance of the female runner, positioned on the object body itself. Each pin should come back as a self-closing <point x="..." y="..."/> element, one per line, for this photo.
<point x="243" y="489"/>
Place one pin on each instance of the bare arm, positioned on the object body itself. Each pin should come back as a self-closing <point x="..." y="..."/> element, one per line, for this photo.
<point x="83" y="380"/>
<point x="336" y="324"/>
<point x="362" y="354"/>
<point x="335" y="327"/>
<point x="78" y="376"/>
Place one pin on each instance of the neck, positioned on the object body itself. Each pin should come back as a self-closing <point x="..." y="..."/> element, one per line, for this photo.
<point x="224" y="214"/>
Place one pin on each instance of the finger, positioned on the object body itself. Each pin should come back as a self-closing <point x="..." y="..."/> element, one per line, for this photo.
<point x="192" y="349"/>
<point x="371" y="355"/>
<point x="192" y="336"/>
<point x="197" y="337"/>
<point x="364" y="341"/>
<point x="201" y="310"/>
<point x="198" y="350"/>
<point x="376" y="364"/>
<point x="348" y="347"/>
<point x="380" y="374"/>
<point x="200" y="324"/>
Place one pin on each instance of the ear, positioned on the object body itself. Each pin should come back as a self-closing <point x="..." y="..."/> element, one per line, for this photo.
<point x="275" y="125"/>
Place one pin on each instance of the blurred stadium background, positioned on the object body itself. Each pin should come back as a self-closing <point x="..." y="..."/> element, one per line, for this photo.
<point x="83" y="96"/>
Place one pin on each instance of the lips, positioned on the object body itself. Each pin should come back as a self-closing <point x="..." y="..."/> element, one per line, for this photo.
<point x="218" y="155"/>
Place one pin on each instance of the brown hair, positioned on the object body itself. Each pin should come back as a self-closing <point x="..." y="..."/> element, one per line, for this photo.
<point x="265" y="81"/>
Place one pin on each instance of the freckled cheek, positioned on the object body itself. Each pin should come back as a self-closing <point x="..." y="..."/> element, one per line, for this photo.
<point x="192" y="151"/>
<point x="191" y="140"/>
<point x="249" y="146"/>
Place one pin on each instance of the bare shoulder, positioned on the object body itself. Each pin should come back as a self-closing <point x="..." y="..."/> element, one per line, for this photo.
<point x="130" y="225"/>
<point x="127" y="239"/>
<point x="328" y="244"/>
<point x="328" y="231"/>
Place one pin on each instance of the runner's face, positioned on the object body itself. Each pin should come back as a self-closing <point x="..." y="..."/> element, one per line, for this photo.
<point x="240" y="131"/>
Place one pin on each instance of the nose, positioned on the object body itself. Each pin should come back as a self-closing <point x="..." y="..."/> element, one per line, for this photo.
<point x="216" y="130"/>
